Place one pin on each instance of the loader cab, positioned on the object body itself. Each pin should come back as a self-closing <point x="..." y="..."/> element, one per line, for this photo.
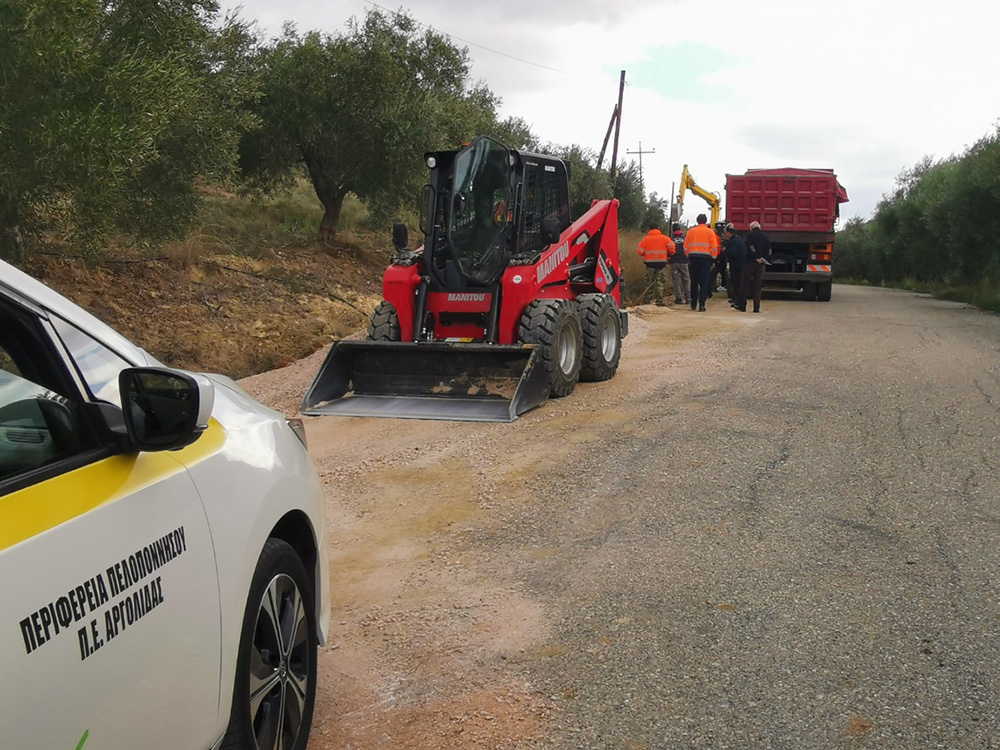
<point x="486" y="204"/>
<point x="469" y="214"/>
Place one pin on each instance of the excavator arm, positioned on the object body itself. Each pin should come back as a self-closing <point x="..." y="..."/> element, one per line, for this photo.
<point x="712" y="199"/>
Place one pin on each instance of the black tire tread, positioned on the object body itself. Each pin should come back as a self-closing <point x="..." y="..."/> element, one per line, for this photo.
<point x="384" y="323"/>
<point x="592" y="308"/>
<point x="539" y="325"/>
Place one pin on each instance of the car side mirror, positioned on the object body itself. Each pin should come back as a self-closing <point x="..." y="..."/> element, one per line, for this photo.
<point x="164" y="409"/>
<point x="551" y="229"/>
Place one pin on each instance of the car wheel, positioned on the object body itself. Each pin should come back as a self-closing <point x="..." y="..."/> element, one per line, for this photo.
<point x="602" y="337"/>
<point x="275" y="686"/>
<point x="553" y="326"/>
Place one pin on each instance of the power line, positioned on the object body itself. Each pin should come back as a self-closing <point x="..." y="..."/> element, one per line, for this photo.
<point x="466" y="41"/>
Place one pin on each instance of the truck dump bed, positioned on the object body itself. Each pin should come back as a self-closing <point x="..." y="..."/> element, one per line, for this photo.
<point x="785" y="200"/>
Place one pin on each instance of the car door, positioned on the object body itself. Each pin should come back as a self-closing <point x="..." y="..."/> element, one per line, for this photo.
<point x="110" y="625"/>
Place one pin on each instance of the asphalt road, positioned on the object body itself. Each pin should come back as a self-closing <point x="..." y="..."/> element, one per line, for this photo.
<point x="800" y="550"/>
<point x="768" y="531"/>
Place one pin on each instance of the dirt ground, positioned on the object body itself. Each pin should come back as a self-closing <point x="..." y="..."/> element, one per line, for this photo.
<point x="227" y="313"/>
<point x="432" y="634"/>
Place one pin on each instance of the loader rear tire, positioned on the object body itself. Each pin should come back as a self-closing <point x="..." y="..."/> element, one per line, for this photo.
<point x="384" y="325"/>
<point x="602" y="336"/>
<point x="552" y="325"/>
<point x="809" y="291"/>
<point x="824" y="291"/>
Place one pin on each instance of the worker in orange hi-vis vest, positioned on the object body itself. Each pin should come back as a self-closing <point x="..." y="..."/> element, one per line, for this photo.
<point x="655" y="249"/>
<point x="702" y="247"/>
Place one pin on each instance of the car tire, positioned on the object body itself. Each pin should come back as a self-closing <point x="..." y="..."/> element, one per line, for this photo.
<point x="553" y="326"/>
<point x="384" y="323"/>
<point x="602" y="336"/>
<point x="275" y="686"/>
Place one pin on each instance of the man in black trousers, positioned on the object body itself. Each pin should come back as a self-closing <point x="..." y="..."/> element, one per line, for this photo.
<point x="736" y="255"/>
<point x="758" y="256"/>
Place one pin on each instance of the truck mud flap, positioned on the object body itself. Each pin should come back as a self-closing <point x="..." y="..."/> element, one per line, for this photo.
<point x="433" y="380"/>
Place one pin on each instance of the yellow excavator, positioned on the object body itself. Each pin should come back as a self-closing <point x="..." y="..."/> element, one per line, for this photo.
<point x="714" y="200"/>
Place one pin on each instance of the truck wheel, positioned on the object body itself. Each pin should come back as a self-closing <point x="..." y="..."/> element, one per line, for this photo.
<point x="384" y="325"/>
<point x="602" y="336"/>
<point x="275" y="686"/>
<point x="824" y="291"/>
<point x="553" y="326"/>
<point x="809" y="291"/>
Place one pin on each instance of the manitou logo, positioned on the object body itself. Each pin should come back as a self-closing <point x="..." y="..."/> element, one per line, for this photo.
<point x="466" y="297"/>
<point x="549" y="264"/>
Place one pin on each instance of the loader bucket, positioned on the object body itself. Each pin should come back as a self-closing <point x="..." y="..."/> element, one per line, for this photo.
<point x="428" y="380"/>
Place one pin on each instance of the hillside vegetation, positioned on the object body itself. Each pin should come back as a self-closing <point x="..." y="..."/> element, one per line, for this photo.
<point x="250" y="289"/>
<point x="937" y="231"/>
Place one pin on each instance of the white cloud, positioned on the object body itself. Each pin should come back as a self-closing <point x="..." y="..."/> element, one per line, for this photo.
<point x="865" y="87"/>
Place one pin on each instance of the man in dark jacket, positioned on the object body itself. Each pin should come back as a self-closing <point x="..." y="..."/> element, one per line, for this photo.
<point x="736" y="255"/>
<point x="758" y="256"/>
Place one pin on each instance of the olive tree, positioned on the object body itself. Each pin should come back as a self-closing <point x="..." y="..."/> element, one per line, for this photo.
<point x="110" y="112"/>
<point x="358" y="110"/>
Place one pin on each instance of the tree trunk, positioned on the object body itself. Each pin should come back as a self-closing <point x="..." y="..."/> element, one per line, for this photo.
<point x="11" y="243"/>
<point x="331" y="216"/>
<point x="330" y="194"/>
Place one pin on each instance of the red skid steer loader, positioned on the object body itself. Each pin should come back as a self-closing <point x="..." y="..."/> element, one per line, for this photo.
<point x="507" y="302"/>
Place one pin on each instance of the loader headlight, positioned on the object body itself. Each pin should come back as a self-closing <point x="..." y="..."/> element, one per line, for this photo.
<point x="431" y="162"/>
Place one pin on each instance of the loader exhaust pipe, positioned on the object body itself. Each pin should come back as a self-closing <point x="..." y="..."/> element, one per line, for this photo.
<point x="428" y="380"/>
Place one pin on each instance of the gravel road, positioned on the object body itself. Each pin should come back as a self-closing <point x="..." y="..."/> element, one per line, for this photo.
<point x="768" y="531"/>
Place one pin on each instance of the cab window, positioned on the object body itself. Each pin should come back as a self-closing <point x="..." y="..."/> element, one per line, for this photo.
<point x="41" y="423"/>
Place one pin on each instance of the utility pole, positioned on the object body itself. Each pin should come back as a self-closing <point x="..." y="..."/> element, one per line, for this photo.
<point x="618" y="126"/>
<point x="607" y="137"/>
<point x="641" y="152"/>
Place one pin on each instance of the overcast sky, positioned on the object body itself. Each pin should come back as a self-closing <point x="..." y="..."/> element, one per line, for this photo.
<point x="863" y="87"/>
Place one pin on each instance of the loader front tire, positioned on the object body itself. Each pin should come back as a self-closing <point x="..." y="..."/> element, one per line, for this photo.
<point x="553" y="326"/>
<point x="602" y="336"/>
<point x="384" y="324"/>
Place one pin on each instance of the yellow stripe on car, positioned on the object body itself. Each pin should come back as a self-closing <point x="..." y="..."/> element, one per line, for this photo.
<point x="43" y="506"/>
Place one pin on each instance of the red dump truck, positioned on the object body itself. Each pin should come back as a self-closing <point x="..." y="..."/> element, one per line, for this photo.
<point x="797" y="209"/>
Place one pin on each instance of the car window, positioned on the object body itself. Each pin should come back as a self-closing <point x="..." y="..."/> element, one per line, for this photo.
<point x="99" y="366"/>
<point x="38" y="425"/>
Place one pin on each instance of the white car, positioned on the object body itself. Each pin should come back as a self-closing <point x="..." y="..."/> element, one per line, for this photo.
<point x="163" y="564"/>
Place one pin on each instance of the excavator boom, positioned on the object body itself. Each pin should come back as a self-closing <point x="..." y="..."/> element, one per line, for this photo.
<point x="713" y="200"/>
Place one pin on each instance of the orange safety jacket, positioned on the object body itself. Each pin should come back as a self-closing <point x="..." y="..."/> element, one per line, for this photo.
<point x="655" y="247"/>
<point x="701" y="242"/>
